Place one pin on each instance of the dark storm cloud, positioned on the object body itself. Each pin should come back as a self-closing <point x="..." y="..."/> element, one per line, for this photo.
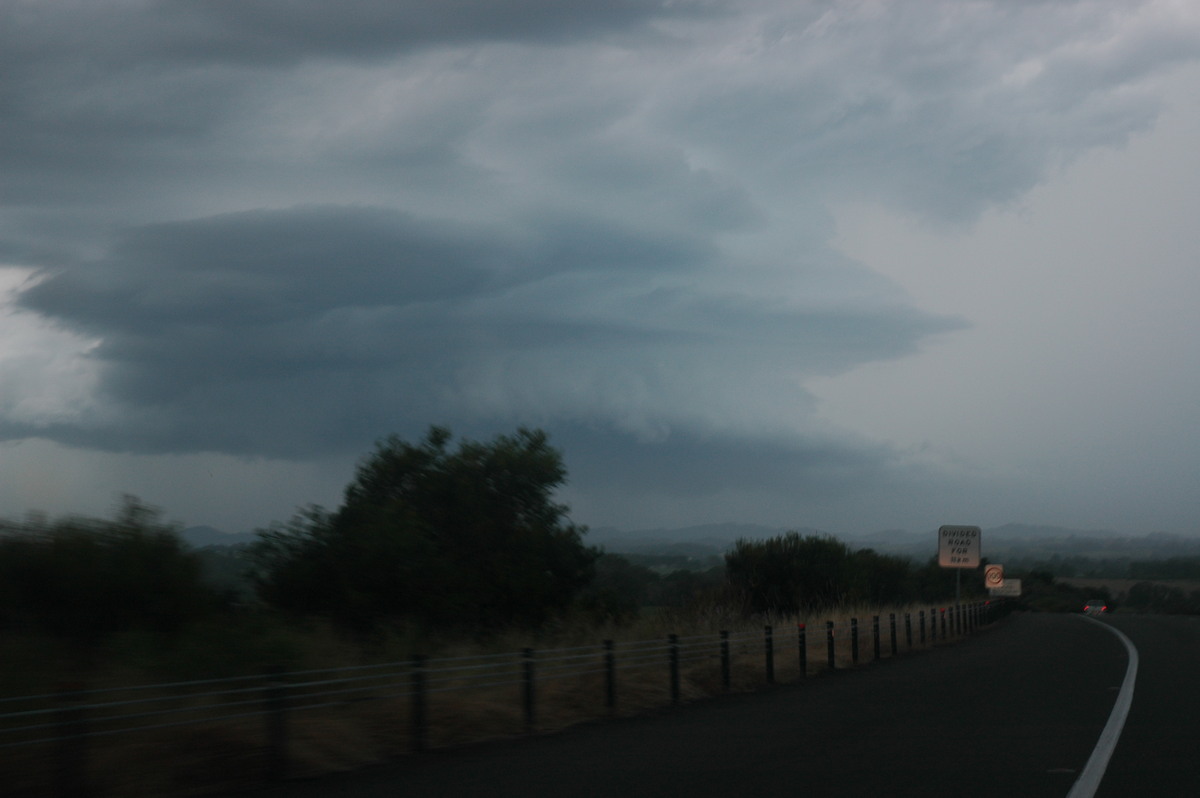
<point x="273" y="31"/>
<point x="261" y="266"/>
<point x="284" y="28"/>
<point x="99" y="99"/>
<point x="313" y="329"/>
<point x="284" y="229"/>
<point x="258" y="296"/>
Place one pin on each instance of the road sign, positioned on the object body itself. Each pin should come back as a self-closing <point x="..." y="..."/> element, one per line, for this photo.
<point x="993" y="576"/>
<point x="1010" y="588"/>
<point x="958" y="546"/>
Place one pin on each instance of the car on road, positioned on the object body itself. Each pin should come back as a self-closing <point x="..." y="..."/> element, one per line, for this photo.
<point x="1096" y="607"/>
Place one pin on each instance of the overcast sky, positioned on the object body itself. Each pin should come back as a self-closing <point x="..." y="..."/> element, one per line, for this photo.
<point x="844" y="265"/>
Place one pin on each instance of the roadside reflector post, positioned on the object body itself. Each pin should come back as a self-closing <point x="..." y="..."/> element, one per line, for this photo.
<point x="957" y="617"/>
<point x="673" y="657"/>
<point x="527" y="678"/>
<point x="854" y="641"/>
<point x="802" y="643"/>
<point x="725" y="676"/>
<point x="875" y="636"/>
<point x="420" y="726"/>
<point x="892" y="628"/>
<point x="610" y="677"/>
<point x="769" y="646"/>
<point x="829" y="645"/>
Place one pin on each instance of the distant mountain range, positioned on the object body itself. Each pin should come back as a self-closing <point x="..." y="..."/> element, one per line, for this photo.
<point x="1011" y="540"/>
<point x="202" y="536"/>
<point x="1024" y="541"/>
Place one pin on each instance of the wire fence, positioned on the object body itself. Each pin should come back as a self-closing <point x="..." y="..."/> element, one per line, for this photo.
<point x="63" y="742"/>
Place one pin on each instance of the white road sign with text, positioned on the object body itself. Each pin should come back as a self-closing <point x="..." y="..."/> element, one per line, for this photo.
<point x="1010" y="588"/>
<point x="958" y="546"/>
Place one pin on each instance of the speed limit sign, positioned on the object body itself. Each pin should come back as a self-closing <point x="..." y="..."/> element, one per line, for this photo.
<point x="993" y="576"/>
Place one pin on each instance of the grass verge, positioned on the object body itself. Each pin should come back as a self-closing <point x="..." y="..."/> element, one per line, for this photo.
<point x="570" y="685"/>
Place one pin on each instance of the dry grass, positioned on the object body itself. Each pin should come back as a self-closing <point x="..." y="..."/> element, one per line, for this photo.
<point x="218" y="756"/>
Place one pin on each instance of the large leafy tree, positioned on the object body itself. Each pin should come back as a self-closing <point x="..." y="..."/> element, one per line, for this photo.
<point x="465" y="535"/>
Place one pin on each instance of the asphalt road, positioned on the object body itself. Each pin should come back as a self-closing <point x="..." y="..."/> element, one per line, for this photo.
<point x="1015" y="711"/>
<point x="1159" y="750"/>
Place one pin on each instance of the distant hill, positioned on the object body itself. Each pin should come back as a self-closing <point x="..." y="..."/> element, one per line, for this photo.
<point x="697" y="543"/>
<point x="201" y="536"/>
<point x="1047" y="532"/>
<point x="1024" y="541"/>
<point x="702" y="542"/>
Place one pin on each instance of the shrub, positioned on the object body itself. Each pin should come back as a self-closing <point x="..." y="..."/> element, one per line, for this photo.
<point x="86" y="578"/>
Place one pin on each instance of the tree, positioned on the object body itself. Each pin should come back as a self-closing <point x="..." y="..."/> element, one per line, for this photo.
<point x="619" y="589"/>
<point x="462" y="537"/>
<point x="85" y="578"/>
<point x="881" y="579"/>
<point x="789" y="573"/>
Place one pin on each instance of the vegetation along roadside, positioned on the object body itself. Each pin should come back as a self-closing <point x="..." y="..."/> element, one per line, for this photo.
<point x="455" y="552"/>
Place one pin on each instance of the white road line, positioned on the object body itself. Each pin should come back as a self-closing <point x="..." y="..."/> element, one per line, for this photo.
<point x="1089" y="779"/>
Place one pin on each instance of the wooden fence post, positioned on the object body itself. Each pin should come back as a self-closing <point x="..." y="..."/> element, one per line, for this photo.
<point x="725" y="674"/>
<point x="610" y="677"/>
<point x="802" y="642"/>
<point x="71" y="765"/>
<point x="527" y="692"/>
<point x="769" y="646"/>
<point x="275" y="698"/>
<point x="673" y="659"/>
<point x="420" y="724"/>
<point x="854" y="641"/>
